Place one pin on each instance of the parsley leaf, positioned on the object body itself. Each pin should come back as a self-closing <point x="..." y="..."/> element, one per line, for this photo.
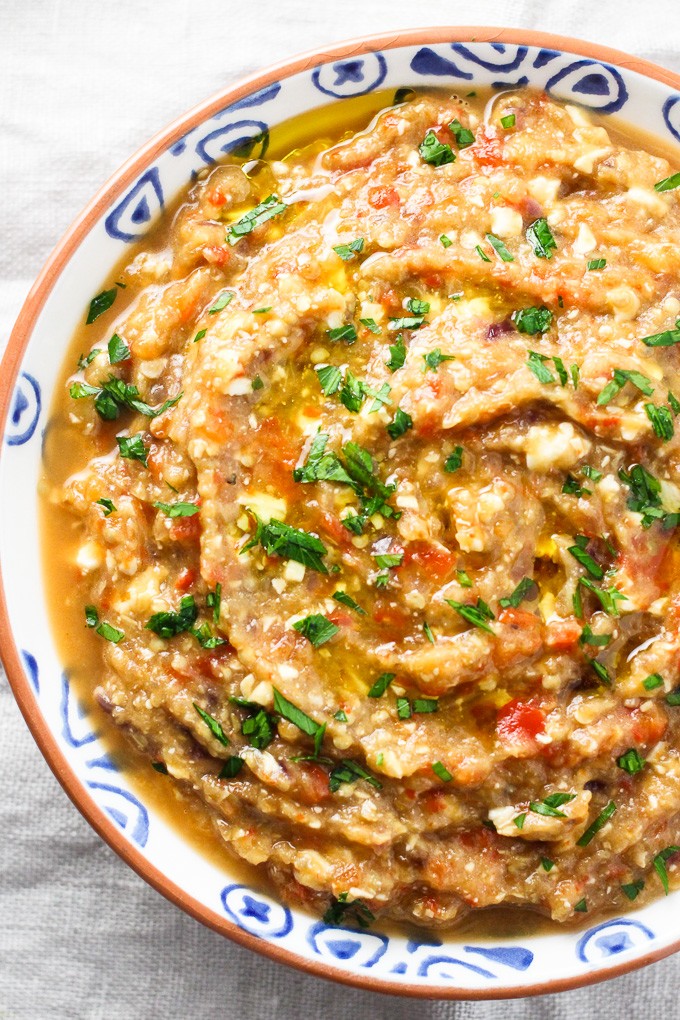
<point x="620" y="378"/>
<point x="401" y="423"/>
<point x="549" y="805"/>
<point x="533" y="320"/>
<point x="279" y="539"/>
<point x="133" y="448"/>
<point x="107" y="504"/>
<point x="596" y="264"/>
<point x="330" y="378"/>
<point x="287" y="710"/>
<point x="500" y="248"/>
<point x="222" y="301"/>
<point x="633" y="889"/>
<point x="631" y="761"/>
<point x="346" y="600"/>
<point x="464" y="137"/>
<point x="118" y="350"/>
<point x="540" y="237"/>
<point x="660" y="865"/>
<point x="346" y="332"/>
<point x="661" y="420"/>
<point x="598" y="824"/>
<point x="526" y="588"/>
<point x="476" y="615"/>
<point x="435" y="358"/>
<point x="231" y="767"/>
<point x="169" y="624"/>
<point x="348" y="771"/>
<point x="397" y="354"/>
<point x="348" y="251"/>
<point x="381" y="684"/>
<point x="668" y="183"/>
<point x="536" y="364"/>
<point x="580" y="554"/>
<point x="435" y="152"/>
<point x="342" y="910"/>
<point x="213" y="725"/>
<point x="441" y="771"/>
<point x="668" y="338"/>
<point x="100" y="304"/>
<point x="317" y="629"/>
<point x="371" y="325"/>
<point x="177" y="509"/>
<point x="272" y="206"/>
<point x="454" y="460"/>
<point x="213" y="600"/>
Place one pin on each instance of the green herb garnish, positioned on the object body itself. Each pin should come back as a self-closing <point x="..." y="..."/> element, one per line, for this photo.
<point x="435" y="152"/>
<point x="348" y="251"/>
<point x="478" y="615"/>
<point x="317" y="629"/>
<point x="272" y="206"/>
<point x="133" y="448"/>
<point x="177" y="509"/>
<point x="100" y="304"/>
<point x="539" y="236"/>
<point x="533" y="320"/>
<point x="441" y="771"/>
<point x="381" y="684"/>
<point x="500" y="248"/>
<point x="526" y="588"/>
<point x="213" y="725"/>
<point x="279" y="539"/>
<point x="598" y="824"/>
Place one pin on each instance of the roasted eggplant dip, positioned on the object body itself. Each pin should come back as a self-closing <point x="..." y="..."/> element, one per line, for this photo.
<point x="374" y="511"/>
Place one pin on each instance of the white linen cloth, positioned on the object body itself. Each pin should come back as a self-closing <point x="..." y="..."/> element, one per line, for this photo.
<point x="82" y="85"/>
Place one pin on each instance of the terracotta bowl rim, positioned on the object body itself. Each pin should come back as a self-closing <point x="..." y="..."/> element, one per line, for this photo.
<point x="9" y="367"/>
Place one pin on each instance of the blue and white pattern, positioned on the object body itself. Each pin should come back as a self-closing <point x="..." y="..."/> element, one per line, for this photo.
<point x="435" y="963"/>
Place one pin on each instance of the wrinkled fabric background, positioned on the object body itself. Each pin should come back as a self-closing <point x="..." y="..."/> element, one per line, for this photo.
<point x="82" y="85"/>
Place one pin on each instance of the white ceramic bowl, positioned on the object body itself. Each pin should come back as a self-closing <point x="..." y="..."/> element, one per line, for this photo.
<point x="441" y="966"/>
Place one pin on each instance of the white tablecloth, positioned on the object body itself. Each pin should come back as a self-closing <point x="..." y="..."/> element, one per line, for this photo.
<point x="82" y="85"/>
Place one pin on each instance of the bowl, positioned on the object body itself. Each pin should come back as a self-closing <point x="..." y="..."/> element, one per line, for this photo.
<point x="422" y="964"/>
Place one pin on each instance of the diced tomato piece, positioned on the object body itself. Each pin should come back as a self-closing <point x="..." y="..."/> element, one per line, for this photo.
<point x="313" y="783"/>
<point x="395" y="619"/>
<point x="185" y="579"/>
<point x="434" y="800"/>
<point x="518" y="724"/>
<point x="486" y="150"/>
<point x="381" y="198"/>
<point x="216" y="254"/>
<point x="561" y="635"/>
<point x="435" y="561"/>
<point x="186" y="530"/>
<point x="648" y="727"/>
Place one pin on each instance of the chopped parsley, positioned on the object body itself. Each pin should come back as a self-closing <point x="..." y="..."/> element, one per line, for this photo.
<point x="508" y="121"/>
<point x="381" y="684"/>
<point x="441" y="771"/>
<point x="533" y="320"/>
<point x="347" y="332"/>
<point x="348" y="251"/>
<point x="100" y="304"/>
<point x="482" y="254"/>
<point x="588" y="637"/>
<point x="406" y="322"/>
<point x="526" y="588"/>
<point x="500" y="248"/>
<point x="631" y="761"/>
<point x="551" y="804"/>
<point x="645" y="497"/>
<point x="114" y="394"/>
<point x="435" y="152"/>
<point x="662" y="421"/>
<point x="435" y="358"/>
<point x="547" y="864"/>
<point x="424" y="706"/>
<point x="287" y="710"/>
<point x="668" y="183"/>
<point x="258" y="726"/>
<point x="107" y="504"/>
<point x="213" y="600"/>
<point x="272" y="206"/>
<point x="401" y="423"/>
<point x="454" y="460"/>
<point x="601" y="672"/>
<point x="222" y="301"/>
<point x="653" y="681"/>
<point x="403" y="708"/>
<point x="397" y="354"/>
<point x="330" y="379"/>
<point x="340" y="715"/>
<point x="317" y="629"/>
<point x="83" y="361"/>
<point x="387" y="560"/>
<point x="118" y="350"/>
<point x="463" y="579"/>
<point x="536" y="364"/>
<point x="673" y="698"/>
<point x="177" y="509"/>
<point x="160" y="766"/>
<point x="581" y="907"/>
<point x="343" y="910"/>
<point x="633" y="889"/>
<point x="572" y="487"/>
<point x="660" y="865"/>
<point x="104" y="629"/>
<point x="213" y="725"/>
<point x="464" y="137"/>
<point x="607" y="597"/>
<point x="445" y="241"/>
<point x="596" y="264"/>
<point x="231" y="767"/>
<point x="540" y="237"/>
<point x="346" y="600"/>
<point x="380" y="397"/>
<point x="578" y="551"/>
<point x="427" y="630"/>
<point x="371" y="325"/>
<point x="133" y="448"/>
<point x="668" y="338"/>
<point x="168" y="624"/>
<point x="477" y="615"/>
<point x="279" y="539"/>
<point x="257" y="383"/>
<point x="619" y="380"/>
<point x="352" y="393"/>
<point x="199" y="336"/>
<point x="599" y="823"/>
<point x="348" y="771"/>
